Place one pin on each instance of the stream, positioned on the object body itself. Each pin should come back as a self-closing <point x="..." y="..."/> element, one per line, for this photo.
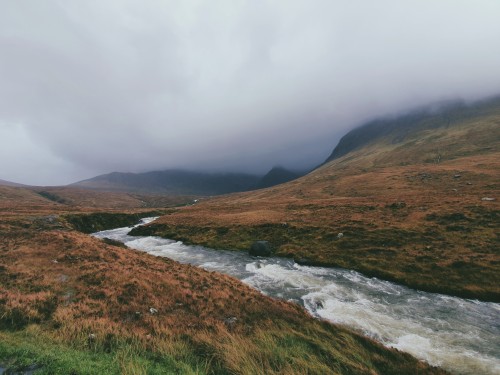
<point x="460" y="335"/>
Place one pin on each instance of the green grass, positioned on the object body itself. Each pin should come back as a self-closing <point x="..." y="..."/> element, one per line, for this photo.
<point x="316" y="348"/>
<point x="32" y="347"/>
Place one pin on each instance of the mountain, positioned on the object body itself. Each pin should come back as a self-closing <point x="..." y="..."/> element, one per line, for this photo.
<point x="176" y="182"/>
<point x="412" y="199"/>
<point x="276" y="176"/>
<point x="180" y="182"/>
<point x="399" y="128"/>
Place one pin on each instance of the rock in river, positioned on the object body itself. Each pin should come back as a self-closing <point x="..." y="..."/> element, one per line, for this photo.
<point x="261" y="248"/>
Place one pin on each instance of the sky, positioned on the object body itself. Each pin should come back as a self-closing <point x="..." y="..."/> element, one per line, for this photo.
<point x="95" y="86"/>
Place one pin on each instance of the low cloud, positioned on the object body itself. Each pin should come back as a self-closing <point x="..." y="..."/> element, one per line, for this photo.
<point x="93" y="87"/>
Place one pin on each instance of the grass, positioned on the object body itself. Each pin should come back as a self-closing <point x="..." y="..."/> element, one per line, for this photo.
<point x="33" y="347"/>
<point x="426" y="250"/>
<point x="282" y="350"/>
<point x="72" y="304"/>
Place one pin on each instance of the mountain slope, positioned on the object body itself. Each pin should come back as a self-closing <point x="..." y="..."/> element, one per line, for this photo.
<point x="177" y="182"/>
<point x="276" y="176"/>
<point x="396" y="130"/>
<point x="420" y="209"/>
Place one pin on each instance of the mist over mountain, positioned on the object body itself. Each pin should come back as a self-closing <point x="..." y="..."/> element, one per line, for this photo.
<point x="397" y="128"/>
<point x="92" y="87"/>
<point x="180" y="182"/>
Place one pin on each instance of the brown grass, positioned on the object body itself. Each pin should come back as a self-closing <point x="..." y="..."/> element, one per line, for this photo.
<point x="88" y="295"/>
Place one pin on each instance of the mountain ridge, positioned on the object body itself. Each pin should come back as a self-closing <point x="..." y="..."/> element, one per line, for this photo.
<point x="183" y="182"/>
<point x="399" y="127"/>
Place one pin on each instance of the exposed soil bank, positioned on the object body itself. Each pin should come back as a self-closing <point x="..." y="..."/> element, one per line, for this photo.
<point x="93" y="222"/>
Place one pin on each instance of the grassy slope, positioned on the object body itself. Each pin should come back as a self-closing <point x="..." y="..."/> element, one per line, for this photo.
<point x="410" y="210"/>
<point x="20" y="200"/>
<point x="72" y="304"/>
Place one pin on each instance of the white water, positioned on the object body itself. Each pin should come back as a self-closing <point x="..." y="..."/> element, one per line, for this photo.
<point x="462" y="336"/>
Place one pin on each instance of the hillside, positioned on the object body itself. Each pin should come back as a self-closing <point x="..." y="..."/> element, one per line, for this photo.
<point x="179" y="182"/>
<point x="20" y="200"/>
<point x="276" y="176"/>
<point x="397" y="129"/>
<point x="421" y="209"/>
<point x="73" y="304"/>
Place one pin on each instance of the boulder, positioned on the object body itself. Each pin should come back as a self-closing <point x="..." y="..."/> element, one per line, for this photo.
<point x="261" y="249"/>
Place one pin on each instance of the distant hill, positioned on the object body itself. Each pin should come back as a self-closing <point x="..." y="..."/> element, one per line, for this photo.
<point x="276" y="176"/>
<point x="398" y="129"/>
<point x="66" y="199"/>
<point x="177" y="182"/>
<point x="180" y="182"/>
<point x="10" y="183"/>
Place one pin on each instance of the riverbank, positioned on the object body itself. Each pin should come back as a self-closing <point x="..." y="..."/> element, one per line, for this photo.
<point x="71" y="303"/>
<point x="427" y="227"/>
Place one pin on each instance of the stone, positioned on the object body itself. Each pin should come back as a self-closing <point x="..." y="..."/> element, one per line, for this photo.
<point x="488" y="199"/>
<point x="340" y="235"/>
<point x="230" y="322"/>
<point x="261" y="249"/>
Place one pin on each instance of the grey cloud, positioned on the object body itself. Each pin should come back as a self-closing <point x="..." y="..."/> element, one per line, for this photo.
<point x="98" y="86"/>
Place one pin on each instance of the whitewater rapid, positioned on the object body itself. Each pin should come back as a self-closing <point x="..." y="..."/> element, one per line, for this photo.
<point x="460" y="335"/>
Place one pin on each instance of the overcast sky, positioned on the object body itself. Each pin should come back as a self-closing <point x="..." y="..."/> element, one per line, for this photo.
<point x="90" y="87"/>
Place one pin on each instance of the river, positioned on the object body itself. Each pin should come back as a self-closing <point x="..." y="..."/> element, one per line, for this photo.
<point x="460" y="335"/>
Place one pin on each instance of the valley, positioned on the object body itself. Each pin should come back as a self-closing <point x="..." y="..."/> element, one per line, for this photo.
<point x="71" y="303"/>
<point x="249" y="187"/>
<point x="419" y="209"/>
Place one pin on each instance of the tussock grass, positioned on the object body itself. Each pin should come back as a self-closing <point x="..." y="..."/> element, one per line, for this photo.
<point x="72" y="304"/>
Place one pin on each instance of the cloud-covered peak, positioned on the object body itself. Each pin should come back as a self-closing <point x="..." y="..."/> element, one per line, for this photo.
<point x="92" y="87"/>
